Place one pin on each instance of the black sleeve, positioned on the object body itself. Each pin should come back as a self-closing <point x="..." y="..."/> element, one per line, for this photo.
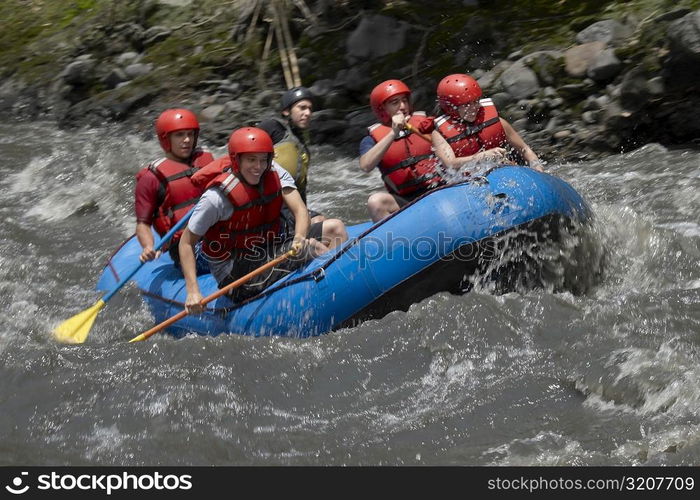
<point x="274" y="128"/>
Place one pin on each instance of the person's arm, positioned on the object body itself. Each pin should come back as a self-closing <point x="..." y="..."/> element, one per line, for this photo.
<point x="371" y="158"/>
<point x="189" y="270"/>
<point x="145" y="205"/>
<point x="447" y="157"/>
<point x="145" y="237"/>
<point x="519" y="145"/>
<point x="443" y="151"/>
<point x="301" y="217"/>
<point x="207" y="212"/>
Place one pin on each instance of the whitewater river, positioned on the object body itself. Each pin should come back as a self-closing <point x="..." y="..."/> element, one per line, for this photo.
<point x="605" y="376"/>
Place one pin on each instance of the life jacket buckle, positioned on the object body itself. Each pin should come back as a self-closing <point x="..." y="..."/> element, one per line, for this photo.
<point x="318" y="274"/>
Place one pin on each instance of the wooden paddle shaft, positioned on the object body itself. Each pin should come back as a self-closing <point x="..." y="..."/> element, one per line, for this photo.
<point x="240" y="281"/>
<point x="414" y="130"/>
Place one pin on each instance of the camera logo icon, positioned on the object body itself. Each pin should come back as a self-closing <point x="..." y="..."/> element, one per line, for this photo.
<point x="16" y="488"/>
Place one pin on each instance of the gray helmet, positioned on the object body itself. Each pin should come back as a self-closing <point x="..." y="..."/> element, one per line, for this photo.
<point x="294" y="95"/>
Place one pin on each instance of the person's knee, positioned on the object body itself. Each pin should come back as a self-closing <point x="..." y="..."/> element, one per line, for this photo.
<point x="334" y="228"/>
<point x="380" y="205"/>
<point x="376" y="201"/>
<point x="334" y="232"/>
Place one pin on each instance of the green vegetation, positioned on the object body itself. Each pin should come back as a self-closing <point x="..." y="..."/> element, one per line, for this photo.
<point x="38" y="34"/>
<point x="647" y="8"/>
<point x="210" y="39"/>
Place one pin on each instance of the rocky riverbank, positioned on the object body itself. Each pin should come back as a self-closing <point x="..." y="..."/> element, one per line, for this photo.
<point x="581" y="82"/>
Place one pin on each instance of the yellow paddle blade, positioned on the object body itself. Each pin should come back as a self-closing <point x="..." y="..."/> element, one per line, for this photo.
<point x="75" y="330"/>
<point x="138" y="338"/>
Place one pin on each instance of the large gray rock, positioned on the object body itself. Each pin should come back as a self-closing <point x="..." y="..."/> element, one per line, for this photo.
<point x="682" y="65"/>
<point x="109" y="105"/>
<point x="266" y="99"/>
<point x="617" y="119"/>
<point x="634" y="90"/>
<point x="211" y="113"/>
<point x="574" y="92"/>
<point x="80" y="71"/>
<point x="233" y="106"/>
<point x="138" y="69"/>
<point x="20" y="99"/>
<point x="127" y="58"/>
<point x="684" y="36"/>
<point x="115" y="77"/>
<point x="361" y="118"/>
<point x="357" y="78"/>
<point x="605" y="66"/>
<point x="375" y="36"/>
<point x="502" y="99"/>
<point x="329" y="127"/>
<point x="577" y="59"/>
<point x="322" y="87"/>
<point x="490" y="81"/>
<point x="520" y="81"/>
<point x="547" y="65"/>
<point x="595" y="103"/>
<point x="609" y="31"/>
<point x="683" y="120"/>
<point x="336" y="98"/>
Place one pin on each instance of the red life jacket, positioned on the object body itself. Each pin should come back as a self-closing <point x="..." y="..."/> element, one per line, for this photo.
<point x="466" y="139"/>
<point x="203" y="177"/>
<point x="409" y="165"/>
<point x="176" y="193"/>
<point x="255" y="219"/>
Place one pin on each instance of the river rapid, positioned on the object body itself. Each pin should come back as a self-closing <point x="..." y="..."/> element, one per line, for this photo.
<point x="605" y="376"/>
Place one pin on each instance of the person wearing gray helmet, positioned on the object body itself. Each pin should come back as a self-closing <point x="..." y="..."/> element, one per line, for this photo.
<point x="290" y="134"/>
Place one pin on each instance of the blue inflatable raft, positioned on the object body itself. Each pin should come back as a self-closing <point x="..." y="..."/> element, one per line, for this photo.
<point x="436" y="243"/>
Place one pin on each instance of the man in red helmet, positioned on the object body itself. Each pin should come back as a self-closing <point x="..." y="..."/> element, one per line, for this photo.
<point x="164" y="191"/>
<point x="238" y="219"/>
<point x="471" y="131"/>
<point x="405" y="160"/>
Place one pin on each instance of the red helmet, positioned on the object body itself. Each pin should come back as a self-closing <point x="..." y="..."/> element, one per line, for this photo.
<point x="384" y="91"/>
<point x="249" y="140"/>
<point x="455" y="90"/>
<point x="172" y="120"/>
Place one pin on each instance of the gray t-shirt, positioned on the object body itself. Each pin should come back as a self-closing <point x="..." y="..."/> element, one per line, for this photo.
<point x="213" y="207"/>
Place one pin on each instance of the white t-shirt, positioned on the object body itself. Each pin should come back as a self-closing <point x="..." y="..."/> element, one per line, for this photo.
<point x="214" y="206"/>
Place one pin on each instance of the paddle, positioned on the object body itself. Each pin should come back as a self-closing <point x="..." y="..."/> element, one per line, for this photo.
<point x="75" y="330"/>
<point x="414" y="130"/>
<point x="240" y="281"/>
